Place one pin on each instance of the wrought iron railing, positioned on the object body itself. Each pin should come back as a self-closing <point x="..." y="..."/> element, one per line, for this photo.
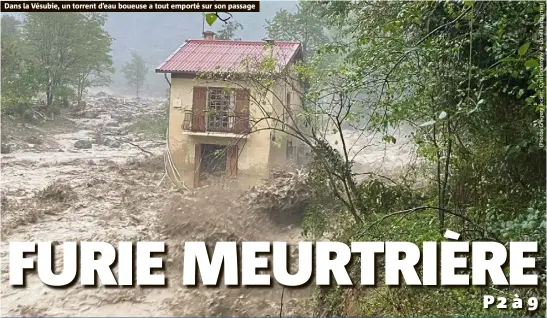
<point x="216" y="121"/>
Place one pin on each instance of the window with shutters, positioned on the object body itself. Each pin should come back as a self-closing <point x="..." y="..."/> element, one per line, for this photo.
<point x="221" y="107"/>
<point x="218" y="109"/>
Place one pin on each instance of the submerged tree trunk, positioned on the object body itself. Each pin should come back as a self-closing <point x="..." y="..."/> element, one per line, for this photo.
<point x="138" y="86"/>
<point x="49" y="96"/>
<point x="80" y="89"/>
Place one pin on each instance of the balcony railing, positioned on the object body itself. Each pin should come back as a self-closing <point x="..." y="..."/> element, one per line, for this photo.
<point x="216" y="121"/>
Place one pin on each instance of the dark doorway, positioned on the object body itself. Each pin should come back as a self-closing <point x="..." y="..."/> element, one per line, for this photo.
<point x="213" y="163"/>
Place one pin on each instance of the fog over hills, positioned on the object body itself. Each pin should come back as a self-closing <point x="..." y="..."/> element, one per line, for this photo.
<point x="155" y="35"/>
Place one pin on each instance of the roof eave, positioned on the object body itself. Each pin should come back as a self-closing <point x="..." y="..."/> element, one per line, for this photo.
<point x="216" y="74"/>
<point x="170" y="57"/>
<point x="175" y="72"/>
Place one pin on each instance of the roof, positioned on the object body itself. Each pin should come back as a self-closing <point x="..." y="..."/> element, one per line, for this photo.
<point x="196" y="56"/>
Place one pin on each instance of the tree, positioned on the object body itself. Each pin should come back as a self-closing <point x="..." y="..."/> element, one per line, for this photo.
<point x="59" y="49"/>
<point x="62" y="47"/>
<point x="430" y="74"/>
<point x="17" y="84"/>
<point x="11" y="32"/>
<point x="229" y="30"/>
<point x="135" y="72"/>
<point x="464" y="76"/>
<point x="305" y="25"/>
<point x="94" y="68"/>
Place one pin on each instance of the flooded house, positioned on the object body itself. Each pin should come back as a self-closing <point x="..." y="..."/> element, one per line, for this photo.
<point x="220" y="121"/>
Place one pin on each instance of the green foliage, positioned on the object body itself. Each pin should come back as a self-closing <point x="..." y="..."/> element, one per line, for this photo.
<point x="305" y="25"/>
<point x="135" y="72"/>
<point x="59" y="53"/>
<point x="524" y="225"/>
<point x="439" y="302"/>
<point x="466" y="76"/>
<point x="94" y="69"/>
<point x="331" y="301"/>
<point x="18" y="85"/>
<point x="65" y="49"/>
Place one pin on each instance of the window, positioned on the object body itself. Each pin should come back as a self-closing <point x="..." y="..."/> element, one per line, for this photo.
<point x="288" y="100"/>
<point x="290" y="150"/>
<point x="221" y="107"/>
<point x="286" y="111"/>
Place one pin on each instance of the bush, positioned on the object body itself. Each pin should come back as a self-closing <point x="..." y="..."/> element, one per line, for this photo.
<point x="503" y="221"/>
<point x="57" y="192"/>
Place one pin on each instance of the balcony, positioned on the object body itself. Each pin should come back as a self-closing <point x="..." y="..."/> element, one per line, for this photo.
<point x="216" y="122"/>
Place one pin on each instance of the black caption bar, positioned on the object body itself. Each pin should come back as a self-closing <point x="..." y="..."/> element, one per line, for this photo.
<point x="130" y="6"/>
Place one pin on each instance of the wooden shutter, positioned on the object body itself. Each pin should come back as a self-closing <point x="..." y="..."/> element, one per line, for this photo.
<point x="197" y="165"/>
<point x="243" y="98"/>
<point x="231" y="158"/>
<point x="198" y="108"/>
<point x="289" y="106"/>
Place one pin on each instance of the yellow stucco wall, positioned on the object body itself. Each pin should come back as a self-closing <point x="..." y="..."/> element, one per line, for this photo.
<point x="257" y="152"/>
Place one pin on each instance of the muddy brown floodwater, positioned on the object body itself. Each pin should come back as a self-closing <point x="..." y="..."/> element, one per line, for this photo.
<point x="53" y="190"/>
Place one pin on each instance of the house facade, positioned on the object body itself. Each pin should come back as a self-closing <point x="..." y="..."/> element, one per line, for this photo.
<point x="219" y="126"/>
